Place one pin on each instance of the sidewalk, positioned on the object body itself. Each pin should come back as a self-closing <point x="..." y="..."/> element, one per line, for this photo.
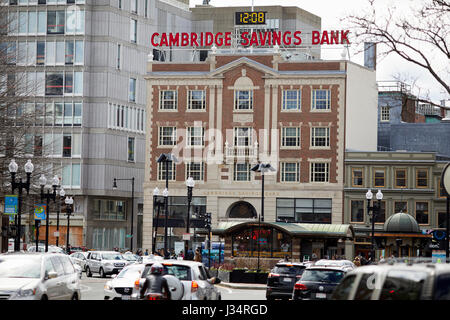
<point x="252" y="286"/>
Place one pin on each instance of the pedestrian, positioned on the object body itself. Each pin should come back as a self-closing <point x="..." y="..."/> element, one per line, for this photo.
<point x="198" y="255"/>
<point x="357" y="262"/>
<point x="146" y="252"/>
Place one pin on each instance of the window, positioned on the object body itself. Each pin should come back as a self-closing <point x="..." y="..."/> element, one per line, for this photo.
<point x="400" y="206"/>
<point x="357" y="211"/>
<point x="306" y="210"/>
<point x="55" y="22"/>
<point x="79" y="52"/>
<point x="134" y="5"/>
<point x="195" y="136"/>
<point x="290" y="172"/>
<point x="146" y="8"/>
<point x="385" y="114"/>
<point x="131" y="142"/>
<point x="365" y="290"/>
<point x="162" y="171"/>
<point x="168" y="100"/>
<point x="241" y="172"/>
<point x="133" y="31"/>
<point x="197" y="100"/>
<point x="379" y="177"/>
<point x="422" y="212"/>
<point x="132" y="91"/>
<point x="70" y="53"/>
<point x="71" y="175"/>
<point x="68" y="83"/>
<point x="400" y="178"/>
<point x="321" y="99"/>
<point x="290" y="137"/>
<point x="403" y="285"/>
<point x="119" y="52"/>
<point x="42" y="22"/>
<point x="195" y="170"/>
<point x="320" y="172"/>
<point x="243" y="100"/>
<point x="50" y="54"/>
<point x="120" y="4"/>
<point x="380" y="216"/>
<point x="422" y="178"/>
<point x="242" y="136"/>
<point x="344" y="288"/>
<point x="357" y="177"/>
<point x="320" y="137"/>
<point x="167" y="136"/>
<point x="40" y="53"/>
<point x="291" y="100"/>
<point x="442" y="220"/>
<point x="441" y="190"/>
<point x="107" y="238"/>
<point x="54" y="84"/>
<point x="67" y="146"/>
<point x="113" y="210"/>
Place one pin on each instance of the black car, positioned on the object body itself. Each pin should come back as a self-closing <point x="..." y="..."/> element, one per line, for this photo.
<point x="318" y="282"/>
<point x="282" y="278"/>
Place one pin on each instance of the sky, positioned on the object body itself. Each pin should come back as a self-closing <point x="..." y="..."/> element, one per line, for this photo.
<point x="331" y="12"/>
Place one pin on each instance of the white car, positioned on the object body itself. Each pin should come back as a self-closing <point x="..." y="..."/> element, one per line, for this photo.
<point x="38" y="276"/>
<point x="41" y="248"/>
<point x="347" y="264"/>
<point x="196" y="281"/>
<point x="104" y="263"/>
<point x="121" y="286"/>
<point x="80" y="259"/>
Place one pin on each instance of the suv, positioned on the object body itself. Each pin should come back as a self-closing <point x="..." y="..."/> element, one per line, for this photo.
<point x="318" y="282"/>
<point x="195" y="279"/>
<point x="104" y="263"/>
<point x="397" y="281"/>
<point x="282" y="278"/>
<point x="347" y="264"/>
<point x="38" y="276"/>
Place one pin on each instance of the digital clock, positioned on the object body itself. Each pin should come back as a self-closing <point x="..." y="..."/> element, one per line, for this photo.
<point x="255" y="17"/>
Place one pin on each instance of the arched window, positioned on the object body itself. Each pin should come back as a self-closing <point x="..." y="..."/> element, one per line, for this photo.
<point x="243" y="210"/>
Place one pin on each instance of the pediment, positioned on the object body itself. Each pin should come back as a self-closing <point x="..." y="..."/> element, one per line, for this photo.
<point x="243" y="61"/>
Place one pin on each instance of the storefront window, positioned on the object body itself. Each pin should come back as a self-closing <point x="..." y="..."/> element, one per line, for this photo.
<point x="178" y="206"/>
<point x="304" y="210"/>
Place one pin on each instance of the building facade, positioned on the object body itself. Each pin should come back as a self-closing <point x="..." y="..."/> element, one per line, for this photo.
<point x="224" y="115"/>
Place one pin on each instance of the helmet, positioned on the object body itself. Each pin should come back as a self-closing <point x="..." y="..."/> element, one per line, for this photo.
<point x="156" y="268"/>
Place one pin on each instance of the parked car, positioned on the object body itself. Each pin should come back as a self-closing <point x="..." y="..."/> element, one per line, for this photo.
<point x="347" y="264"/>
<point x="318" y="282"/>
<point x="281" y="279"/>
<point x="121" y="286"/>
<point x="399" y="281"/>
<point x="80" y="259"/>
<point x="196" y="282"/>
<point x="77" y="267"/>
<point x="104" y="263"/>
<point x="41" y="248"/>
<point x="132" y="258"/>
<point x="77" y="249"/>
<point x="38" y="276"/>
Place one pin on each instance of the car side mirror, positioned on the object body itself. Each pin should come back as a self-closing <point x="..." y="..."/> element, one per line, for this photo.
<point x="214" y="280"/>
<point x="141" y="282"/>
<point x="51" y="275"/>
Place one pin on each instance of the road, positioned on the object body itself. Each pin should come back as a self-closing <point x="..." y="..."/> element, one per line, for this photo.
<point x="92" y="289"/>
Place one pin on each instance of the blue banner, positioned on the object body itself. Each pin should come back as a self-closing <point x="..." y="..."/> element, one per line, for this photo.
<point x="11" y="204"/>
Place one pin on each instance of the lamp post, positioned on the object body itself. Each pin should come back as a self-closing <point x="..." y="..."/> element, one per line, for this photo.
<point x="369" y="196"/>
<point x="166" y="158"/>
<point x="261" y="167"/>
<point x="190" y="183"/>
<point x="132" y="205"/>
<point x="62" y="194"/>
<point x="156" y="203"/>
<point x="69" y="203"/>
<point x="29" y="167"/>
<point x="48" y="196"/>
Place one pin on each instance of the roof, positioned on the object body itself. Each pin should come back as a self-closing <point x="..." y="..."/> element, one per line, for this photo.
<point x="293" y="229"/>
<point x="401" y="222"/>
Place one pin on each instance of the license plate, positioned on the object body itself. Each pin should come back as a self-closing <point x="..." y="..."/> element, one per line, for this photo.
<point x="287" y="279"/>
<point x="124" y="297"/>
<point x="321" y="295"/>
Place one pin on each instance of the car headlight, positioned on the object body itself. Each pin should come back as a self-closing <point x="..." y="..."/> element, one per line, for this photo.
<point x="26" y="292"/>
<point x="108" y="286"/>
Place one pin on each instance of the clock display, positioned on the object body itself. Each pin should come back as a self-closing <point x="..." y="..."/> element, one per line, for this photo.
<point x="255" y="17"/>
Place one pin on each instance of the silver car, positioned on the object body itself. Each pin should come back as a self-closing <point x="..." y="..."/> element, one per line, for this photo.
<point x="38" y="276"/>
<point x="80" y="258"/>
<point x="104" y="263"/>
<point x="41" y="248"/>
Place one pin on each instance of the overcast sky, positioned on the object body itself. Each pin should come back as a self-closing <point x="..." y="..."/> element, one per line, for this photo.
<point x="331" y="13"/>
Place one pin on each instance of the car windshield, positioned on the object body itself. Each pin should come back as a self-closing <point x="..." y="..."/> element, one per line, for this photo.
<point x="130" y="273"/>
<point x="178" y="271"/>
<point x="112" y="256"/>
<point x="320" y="275"/>
<point x="20" y="267"/>
<point x="130" y="257"/>
<point x="286" y="269"/>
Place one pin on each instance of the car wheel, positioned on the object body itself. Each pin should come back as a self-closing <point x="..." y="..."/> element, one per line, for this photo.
<point x="102" y="273"/>
<point x="219" y="297"/>
<point x="44" y="297"/>
<point x="74" y="297"/>
<point x="88" y="272"/>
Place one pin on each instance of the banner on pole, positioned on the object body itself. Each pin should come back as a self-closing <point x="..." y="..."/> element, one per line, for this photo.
<point x="11" y="204"/>
<point x="40" y="212"/>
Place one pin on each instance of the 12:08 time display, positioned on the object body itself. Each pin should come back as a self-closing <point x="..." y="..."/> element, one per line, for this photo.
<point x="243" y="18"/>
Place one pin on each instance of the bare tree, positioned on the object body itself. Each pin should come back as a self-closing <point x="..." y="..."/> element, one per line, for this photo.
<point x="420" y="36"/>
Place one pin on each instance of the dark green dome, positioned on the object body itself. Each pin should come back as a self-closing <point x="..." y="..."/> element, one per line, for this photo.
<point x="401" y="222"/>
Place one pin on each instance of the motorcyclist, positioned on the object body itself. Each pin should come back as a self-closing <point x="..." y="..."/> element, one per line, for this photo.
<point x="155" y="285"/>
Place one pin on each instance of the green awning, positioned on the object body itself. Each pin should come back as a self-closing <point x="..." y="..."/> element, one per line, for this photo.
<point x="293" y="229"/>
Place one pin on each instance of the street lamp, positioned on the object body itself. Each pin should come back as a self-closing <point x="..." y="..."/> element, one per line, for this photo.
<point x="62" y="194"/>
<point x="166" y="199"/>
<point x="190" y="183"/>
<point x="158" y="204"/>
<point x="375" y="213"/>
<point x="69" y="203"/>
<point x="132" y="205"/>
<point x="13" y="167"/>
<point x="261" y="167"/>
<point x="49" y="196"/>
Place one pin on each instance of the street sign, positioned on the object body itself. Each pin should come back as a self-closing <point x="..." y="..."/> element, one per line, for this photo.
<point x="11" y="204"/>
<point x="186" y="236"/>
<point x="40" y="211"/>
<point x="129" y="236"/>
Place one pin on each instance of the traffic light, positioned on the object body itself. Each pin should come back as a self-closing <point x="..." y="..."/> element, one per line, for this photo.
<point x="208" y="220"/>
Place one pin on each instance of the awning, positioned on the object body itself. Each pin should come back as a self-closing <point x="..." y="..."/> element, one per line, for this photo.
<point x="293" y="229"/>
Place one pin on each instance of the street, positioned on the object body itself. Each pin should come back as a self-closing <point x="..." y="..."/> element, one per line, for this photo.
<point x="92" y="289"/>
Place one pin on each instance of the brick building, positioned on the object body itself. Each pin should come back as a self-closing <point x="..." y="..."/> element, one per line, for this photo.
<point x="221" y="116"/>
